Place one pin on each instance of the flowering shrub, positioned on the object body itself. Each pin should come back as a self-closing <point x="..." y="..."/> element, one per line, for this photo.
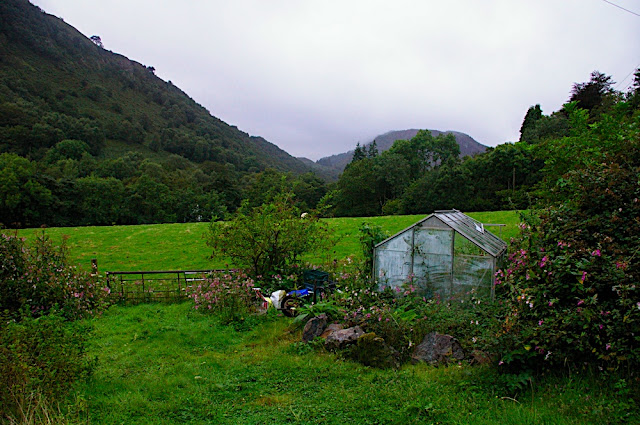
<point x="229" y="295"/>
<point x="35" y="279"/>
<point x="572" y="281"/>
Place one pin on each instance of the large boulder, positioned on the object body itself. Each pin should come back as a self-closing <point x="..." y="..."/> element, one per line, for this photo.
<point x="372" y="350"/>
<point x="314" y="327"/>
<point x="437" y="349"/>
<point x="331" y="329"/>
<point x="343" y="337"/>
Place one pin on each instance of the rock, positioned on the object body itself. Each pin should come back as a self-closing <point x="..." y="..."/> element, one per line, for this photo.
<point x="343" y="337"/>
<point x="372" y="350"/>
<point x="436" y="349"/>
<point x="331" y="329"/>
<point x="314" y="327"/>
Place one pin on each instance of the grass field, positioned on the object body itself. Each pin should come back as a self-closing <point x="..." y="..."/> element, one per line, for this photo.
<point x="181" y="246"/>
<point x="168" y="364"/>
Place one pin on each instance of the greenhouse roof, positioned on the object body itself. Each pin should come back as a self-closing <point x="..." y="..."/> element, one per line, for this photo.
<point x="468" y="227"/>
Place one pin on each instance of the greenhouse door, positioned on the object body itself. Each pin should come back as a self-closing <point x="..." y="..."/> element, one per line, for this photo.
<point x="393" y="261"/>
<point x="433" y="258"/>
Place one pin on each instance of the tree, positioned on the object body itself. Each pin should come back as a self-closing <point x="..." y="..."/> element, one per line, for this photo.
<point x="356" y="190"/>
<point x="24" y="200"/>
<point x="443" y="149"/>
<point x="590" y="95"/>
<point x="358" y="154"/>
<point x="414" y="152"/>
<point x="97" y="40"/>
<point x="101" y="200"/>
<point x="267" y="185"/>
<point x="67" y="149"/>
<point x="533" y="114"/>
<point x="269" y="239"/>
<point x="372" y="151"/>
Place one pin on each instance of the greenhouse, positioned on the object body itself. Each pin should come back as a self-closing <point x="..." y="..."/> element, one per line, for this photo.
<point x="447" y="253"/>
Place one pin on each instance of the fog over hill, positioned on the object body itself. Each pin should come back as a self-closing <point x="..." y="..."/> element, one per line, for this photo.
<point x="468" y="147"/>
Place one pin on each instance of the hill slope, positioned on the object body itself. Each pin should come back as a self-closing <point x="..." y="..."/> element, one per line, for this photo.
<point x="468" y="146"/>
<point x="55" y="83"/>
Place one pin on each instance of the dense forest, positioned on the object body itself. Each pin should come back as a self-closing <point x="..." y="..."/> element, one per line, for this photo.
<point x="89" y="137"/>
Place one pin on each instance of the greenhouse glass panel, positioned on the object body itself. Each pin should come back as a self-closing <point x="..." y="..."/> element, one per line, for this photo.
<point x="433" y="259"/>
<point x="393" y="261"/>
<point x="472" y="275"/>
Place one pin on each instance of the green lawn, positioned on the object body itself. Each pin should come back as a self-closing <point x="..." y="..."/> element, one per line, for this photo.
<point x="168" y="364"/>
<point x="181" y="246"/>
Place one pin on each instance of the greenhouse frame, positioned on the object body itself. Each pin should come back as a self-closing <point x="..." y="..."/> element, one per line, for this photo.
<point x="446" y="254"/>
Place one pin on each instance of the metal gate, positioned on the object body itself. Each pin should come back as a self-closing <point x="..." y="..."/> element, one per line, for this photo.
<point x="149" y="286"/>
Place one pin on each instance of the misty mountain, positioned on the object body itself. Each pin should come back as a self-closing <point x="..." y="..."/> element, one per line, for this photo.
<point x="468" y="147"/>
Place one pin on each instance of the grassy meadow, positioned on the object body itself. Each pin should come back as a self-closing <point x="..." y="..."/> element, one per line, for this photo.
<point x="181" y="246"/>
<point x="168" y="364"/>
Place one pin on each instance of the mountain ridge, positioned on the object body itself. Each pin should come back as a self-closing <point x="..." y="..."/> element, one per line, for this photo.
<point x="468" y="146"/>
<point x="47" y="65"/>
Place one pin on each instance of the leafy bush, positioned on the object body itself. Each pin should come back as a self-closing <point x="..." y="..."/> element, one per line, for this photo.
<point x="43" y="356"/>
<point x="230" y="296"/>
<point x="268" y="240"/>
<point x="572" y="280"/>
<point x="370" y="235"/>
<point x="35" y="279"/>
<point x="403" y="318"/>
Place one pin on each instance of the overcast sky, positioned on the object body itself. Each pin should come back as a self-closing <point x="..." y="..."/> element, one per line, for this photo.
<point x="315" y="77"/>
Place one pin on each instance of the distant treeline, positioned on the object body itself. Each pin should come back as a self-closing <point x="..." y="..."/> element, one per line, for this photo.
<point x="70" y="183"/>
<point x="425" y="174"/>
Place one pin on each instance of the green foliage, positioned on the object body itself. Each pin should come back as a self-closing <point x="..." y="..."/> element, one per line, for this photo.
<point x="423" y="174"/>
<point x="571" y="283"/>
<point x="229" y="296"/>
<point x="324" y="306"/>
<point x="22" y="194"/>
<point x="370" y="235"/>
<point x="67" y="149"/>
<point x="403" y="318"/>
<point x="44" y="357"/>
<point x="35" y="280"/>
<point x="268" y="240"/>
<point x="270" y="184"/>
<point x="70" y="109"/>
<point x="533" y="115"/>
<point x="590" y="95"/>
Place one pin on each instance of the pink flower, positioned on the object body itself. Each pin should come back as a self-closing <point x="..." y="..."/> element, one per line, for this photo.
<point x="608" y="346"/>
<point x="580" y="302"/>
<point x="596" y="253"/>
<point x="540" y="322"/>
<point x="544" y="261"/>
<point x="584" y="277"/>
